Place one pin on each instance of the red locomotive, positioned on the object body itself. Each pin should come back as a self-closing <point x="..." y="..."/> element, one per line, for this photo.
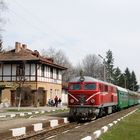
<point x="89" y="98"/>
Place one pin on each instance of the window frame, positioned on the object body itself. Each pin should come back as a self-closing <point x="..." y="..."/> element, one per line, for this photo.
<point x="95" y="85"/>
<point x="75" y="88"/>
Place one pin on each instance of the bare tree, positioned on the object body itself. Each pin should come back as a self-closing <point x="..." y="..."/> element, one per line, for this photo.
<point x="2" y="8"/>
<point x="20" y="79"/>
<point x="92" y="66"/>
<point x="60" y="58"/>
<point x="78" y="69"/>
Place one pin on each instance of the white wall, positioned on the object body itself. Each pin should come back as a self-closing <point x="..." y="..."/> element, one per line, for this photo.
<point x="64" y="97"/>
<point x="60" y="75"/>
<point x="13" y="69"/>
<point x="7" y="69"/>
<point x="32" y="69"/>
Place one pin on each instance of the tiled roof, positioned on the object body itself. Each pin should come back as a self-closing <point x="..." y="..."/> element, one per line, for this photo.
<point x="25" y="54"/>
<point x="21" y="55"/>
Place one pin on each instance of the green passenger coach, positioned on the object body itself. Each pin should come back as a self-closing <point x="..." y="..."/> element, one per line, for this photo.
<point x="123" y="98"/>
<point x="133" y="98"/>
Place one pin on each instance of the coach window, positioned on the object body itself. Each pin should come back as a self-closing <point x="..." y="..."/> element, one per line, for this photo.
<point x="109" y="89"/>
<point x="106" y="88"/>
<point x="75" y="87"/>
<point x="112" y="89"/>
<point x="89" y="86"/>
<point x="101" y="87"/>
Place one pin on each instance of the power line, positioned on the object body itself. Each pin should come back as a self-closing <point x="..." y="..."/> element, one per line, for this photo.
<point x="26" y="21"/>
<point x="36" y="19"/>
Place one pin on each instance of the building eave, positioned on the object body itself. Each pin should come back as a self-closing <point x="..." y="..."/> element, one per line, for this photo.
<point x="53" y="65"/>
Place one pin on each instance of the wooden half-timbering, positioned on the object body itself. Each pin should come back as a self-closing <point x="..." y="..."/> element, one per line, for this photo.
<point x="42" y="78"/>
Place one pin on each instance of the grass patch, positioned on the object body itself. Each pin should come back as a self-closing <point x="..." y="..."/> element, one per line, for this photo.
<point x="126" y="129"/>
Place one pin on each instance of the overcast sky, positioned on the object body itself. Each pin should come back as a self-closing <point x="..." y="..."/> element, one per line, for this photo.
<point x="78" y="27"/>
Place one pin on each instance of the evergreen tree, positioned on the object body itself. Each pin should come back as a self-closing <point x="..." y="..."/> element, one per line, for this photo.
<point x="122" y="81"/>
<point x="133" y="84"/>
<point x="128" y="78"/>
<point x="109" y="65"/>
<point x="116" y="76"/>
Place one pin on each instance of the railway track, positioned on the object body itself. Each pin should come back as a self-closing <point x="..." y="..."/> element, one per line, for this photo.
<point x="89" y="127"/>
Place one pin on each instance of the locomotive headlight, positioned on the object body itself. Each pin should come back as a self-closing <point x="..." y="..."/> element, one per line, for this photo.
<point x="92" y="101"/>
<point x="72" y="101"/>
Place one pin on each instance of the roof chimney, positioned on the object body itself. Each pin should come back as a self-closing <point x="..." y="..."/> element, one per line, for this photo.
<point x="24" y="46"/>
<point x="17" y="47"/>
<point x="36" y="53"/>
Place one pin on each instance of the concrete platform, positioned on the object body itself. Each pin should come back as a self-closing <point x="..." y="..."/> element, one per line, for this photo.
<point x="12" y="127"/>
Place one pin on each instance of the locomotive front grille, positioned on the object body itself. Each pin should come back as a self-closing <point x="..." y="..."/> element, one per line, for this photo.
<point x="82" y="99"/>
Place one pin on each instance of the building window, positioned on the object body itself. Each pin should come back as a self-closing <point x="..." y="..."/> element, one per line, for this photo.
<point x="42" y="70"/>
<point x="20" y="70"/>
<point x="51" y="94"/>
<point x="57" y="74"/>
<point x="51" y="73"/>
<point x="58" y="92"/>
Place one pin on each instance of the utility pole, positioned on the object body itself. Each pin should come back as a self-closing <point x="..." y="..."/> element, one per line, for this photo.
<point x="104" y="64"/>
<point x="125" y="80"/>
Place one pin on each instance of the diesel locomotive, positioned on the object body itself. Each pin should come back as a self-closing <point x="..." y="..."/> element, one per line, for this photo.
<point x="89" y="98"/>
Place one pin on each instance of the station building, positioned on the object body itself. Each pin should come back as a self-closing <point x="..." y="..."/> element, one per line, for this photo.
<point x="27" y="76"/>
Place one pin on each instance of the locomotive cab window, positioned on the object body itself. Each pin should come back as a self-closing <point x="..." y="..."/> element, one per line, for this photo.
<point x="75" y="87"/>
<point x="90" y="86"/>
